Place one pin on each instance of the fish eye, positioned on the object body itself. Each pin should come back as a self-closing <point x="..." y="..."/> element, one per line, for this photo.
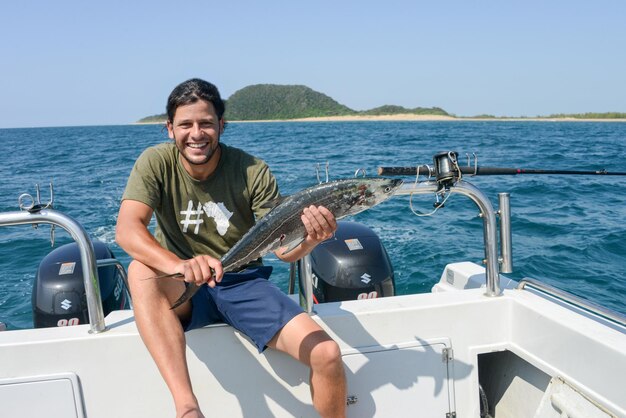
<point x="387" y="189"/>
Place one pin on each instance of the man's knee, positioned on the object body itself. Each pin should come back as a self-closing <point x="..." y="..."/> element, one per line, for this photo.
<point x="145" y="290"/>
<point x="137" y="269"/>
<point x="137" y="273"/>
<point x="326" y="355"/>
<point x="141" y="278"/>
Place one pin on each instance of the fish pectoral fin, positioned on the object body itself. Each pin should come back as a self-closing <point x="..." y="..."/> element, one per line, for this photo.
<point x="292" y="246"/>
<point x="273" y="203"/>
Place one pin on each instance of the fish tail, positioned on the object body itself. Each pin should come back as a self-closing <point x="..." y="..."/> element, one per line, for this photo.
<point x="187" y="294"/>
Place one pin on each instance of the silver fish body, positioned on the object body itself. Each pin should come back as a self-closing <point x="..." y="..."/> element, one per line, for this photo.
<point x="282" y="226"/>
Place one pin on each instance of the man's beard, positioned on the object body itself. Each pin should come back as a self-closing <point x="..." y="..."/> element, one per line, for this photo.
<point x="210" y="152"/>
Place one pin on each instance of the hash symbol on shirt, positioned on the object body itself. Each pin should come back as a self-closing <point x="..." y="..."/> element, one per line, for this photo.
<point x="217" y="211"/>
<point x="188" y="214"/>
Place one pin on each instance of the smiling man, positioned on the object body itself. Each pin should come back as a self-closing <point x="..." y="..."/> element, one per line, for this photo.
<point x="196" y="131"/>
<point x="206" y="196"/>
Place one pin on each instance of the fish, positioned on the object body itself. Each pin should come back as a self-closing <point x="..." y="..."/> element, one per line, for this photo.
<point x="282" y="225"/>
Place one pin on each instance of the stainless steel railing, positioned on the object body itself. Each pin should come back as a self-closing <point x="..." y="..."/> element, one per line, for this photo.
<point x="87" y="257"/>
<point x="307" y="276"/>
<point x="573" y="300"/>
<point x="489" y="224"/>
<point x="506" y="252"/>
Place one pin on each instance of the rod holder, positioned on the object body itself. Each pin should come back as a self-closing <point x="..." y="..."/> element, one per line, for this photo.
<point x="506" y="253"/>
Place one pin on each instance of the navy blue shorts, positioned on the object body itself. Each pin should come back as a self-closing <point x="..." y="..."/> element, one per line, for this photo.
<point x="247" y="301"/>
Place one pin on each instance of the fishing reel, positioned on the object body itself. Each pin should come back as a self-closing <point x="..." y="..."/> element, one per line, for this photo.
<point x="446" y="168"/>
<point x="445" y="171"/>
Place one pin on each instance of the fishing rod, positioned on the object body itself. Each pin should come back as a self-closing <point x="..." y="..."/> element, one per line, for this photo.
<point x="446" y="162"/>
<point x="489" y="171"/>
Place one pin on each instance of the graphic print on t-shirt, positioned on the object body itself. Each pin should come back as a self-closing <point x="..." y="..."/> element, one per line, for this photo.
<point x="217" y="211"/>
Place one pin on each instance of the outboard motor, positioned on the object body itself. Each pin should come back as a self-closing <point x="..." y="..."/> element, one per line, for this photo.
<point x="59" y="291"/>
<point x="352" y="265"/>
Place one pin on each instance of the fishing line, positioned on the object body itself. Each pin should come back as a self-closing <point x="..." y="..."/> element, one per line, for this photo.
<point x="437" y="204"/>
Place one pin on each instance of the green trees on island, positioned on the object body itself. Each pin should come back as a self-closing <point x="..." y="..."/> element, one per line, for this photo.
<point x="154" y="119"/>
<point x="284" y="102"/>
<point x="396" y="110"/>
<point x="271" y="101"/>
<point x="589" y="115"/>
<point x="606" y="115"/>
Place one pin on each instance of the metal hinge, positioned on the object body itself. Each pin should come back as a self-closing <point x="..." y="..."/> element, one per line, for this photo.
<point x="447" y="354"/>
<point x="451" y="415"/>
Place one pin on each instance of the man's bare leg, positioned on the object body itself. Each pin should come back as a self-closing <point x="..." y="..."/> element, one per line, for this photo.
<point x="162" y="333"/>
<point x="306" y="341"/>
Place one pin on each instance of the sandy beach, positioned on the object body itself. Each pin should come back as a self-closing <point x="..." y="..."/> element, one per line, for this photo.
<point x="398" y="117"/>
<point x="351" y="118"/>
<point x="410" y="117"/>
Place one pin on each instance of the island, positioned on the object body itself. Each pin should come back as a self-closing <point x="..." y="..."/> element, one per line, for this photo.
<point x="276" y="102"/>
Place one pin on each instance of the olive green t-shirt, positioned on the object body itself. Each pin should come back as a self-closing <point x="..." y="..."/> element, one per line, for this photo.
<point x="201" y="217"/>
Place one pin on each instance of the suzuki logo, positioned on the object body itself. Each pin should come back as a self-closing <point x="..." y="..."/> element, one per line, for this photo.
<point x="66" y="304"/>
<point x="366" y="278"/>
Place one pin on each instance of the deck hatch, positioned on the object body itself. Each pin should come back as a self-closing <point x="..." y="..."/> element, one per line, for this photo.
<point x="57" y="396"/>
<point x="399" y="380"/>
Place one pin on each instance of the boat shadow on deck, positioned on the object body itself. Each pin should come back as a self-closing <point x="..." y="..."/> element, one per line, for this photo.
<point x="403" y="374"/>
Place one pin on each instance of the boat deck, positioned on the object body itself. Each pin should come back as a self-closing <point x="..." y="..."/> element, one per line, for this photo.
<point x="416" y="355"/>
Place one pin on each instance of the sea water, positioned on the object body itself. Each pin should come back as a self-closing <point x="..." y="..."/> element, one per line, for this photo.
<point x="568" y="231"/>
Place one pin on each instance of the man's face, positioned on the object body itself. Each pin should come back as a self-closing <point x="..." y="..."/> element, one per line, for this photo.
<point x="196" y="130"/>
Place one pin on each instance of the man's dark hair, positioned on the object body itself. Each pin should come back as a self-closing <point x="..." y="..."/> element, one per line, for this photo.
<point x="191" y="91"/>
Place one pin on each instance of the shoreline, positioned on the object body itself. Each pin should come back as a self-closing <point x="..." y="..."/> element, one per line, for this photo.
<point x="408" y="118"/>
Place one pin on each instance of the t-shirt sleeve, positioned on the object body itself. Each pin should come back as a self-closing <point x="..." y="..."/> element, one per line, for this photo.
<point x="144" y="181"/>
<point x="264" y="189"/>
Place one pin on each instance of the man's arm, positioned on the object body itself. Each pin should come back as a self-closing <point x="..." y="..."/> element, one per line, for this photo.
<point x="320" y="225"/>
<point x="132" y="235"/>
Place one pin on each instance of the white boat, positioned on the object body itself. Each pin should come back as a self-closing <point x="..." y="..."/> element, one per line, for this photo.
<point x="478" y="345"/>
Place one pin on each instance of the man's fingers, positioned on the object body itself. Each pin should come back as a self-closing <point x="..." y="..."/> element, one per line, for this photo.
<point x="202" y="269"/>
<point x="197" y="273"/>
<point x="329" y="218"/>
<point x="219" y="272"/>
<point x="212" y="269"/>
<point x="207" y="274"/>
<point x="319" y="222"/>
<point x="315" y="219"/>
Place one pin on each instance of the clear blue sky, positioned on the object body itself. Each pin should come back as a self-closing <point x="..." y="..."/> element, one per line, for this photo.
<point x="113" y="62"/>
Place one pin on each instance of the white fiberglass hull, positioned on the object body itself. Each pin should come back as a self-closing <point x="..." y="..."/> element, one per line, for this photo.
<point x="418" y="355"/>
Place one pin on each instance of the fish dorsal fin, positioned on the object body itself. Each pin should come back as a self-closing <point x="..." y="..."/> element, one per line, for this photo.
<point x="273" y="203"/>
